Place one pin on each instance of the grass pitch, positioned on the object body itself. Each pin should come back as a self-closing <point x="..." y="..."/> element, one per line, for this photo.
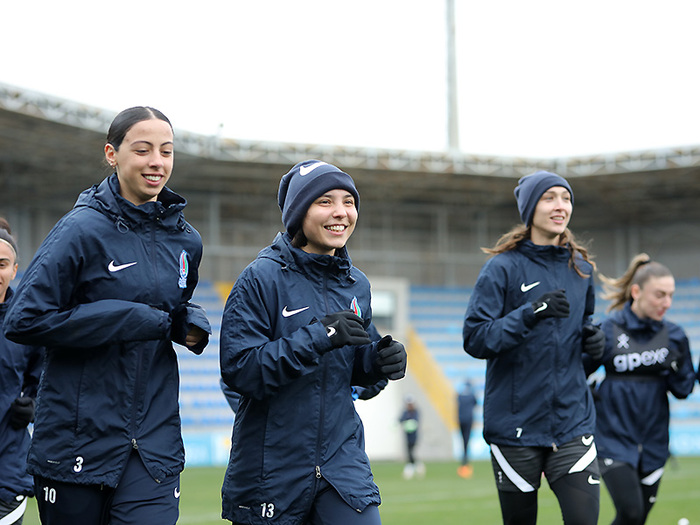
<point x="443" y="498"/>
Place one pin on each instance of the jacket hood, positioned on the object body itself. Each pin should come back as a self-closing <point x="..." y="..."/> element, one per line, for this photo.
<point x="106" y="198"/>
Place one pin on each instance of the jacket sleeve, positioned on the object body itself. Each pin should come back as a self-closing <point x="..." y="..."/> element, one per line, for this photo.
<point x="681" y="382"/>
<point x="490" y="330"/>
<point x="43" y="312"/>
<point x="252" y="362"/>
<point x="32" y="374"/>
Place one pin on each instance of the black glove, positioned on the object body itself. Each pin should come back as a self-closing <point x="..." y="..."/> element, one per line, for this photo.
<point x="345" y="328"/>
<point x="21" y="412"/>
<point x="593" y="341"/>
<point x="391" y="358"/>
<point x="178" y="324"/>
<point x="551" y="304"/>
<point x="674" y="360"/>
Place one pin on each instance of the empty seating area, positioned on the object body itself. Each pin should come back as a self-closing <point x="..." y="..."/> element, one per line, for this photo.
<point x="202" y="404"/>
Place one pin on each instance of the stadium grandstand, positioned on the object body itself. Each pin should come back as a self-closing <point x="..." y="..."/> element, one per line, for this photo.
<point x="425" y="215"/>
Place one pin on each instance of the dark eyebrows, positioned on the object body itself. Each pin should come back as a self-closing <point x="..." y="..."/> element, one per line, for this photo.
<point x="168" y="143"/>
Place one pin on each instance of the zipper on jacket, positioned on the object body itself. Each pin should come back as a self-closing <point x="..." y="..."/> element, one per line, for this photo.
<point x="322" y="408"/>
<point x="134" y="444"/>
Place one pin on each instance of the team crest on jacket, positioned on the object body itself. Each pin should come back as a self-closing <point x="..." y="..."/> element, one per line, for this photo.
<point x="184" y="270"/>
<point x="355" y="307"/>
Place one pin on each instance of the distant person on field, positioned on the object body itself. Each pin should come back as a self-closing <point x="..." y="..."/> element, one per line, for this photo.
<point x="20" y="368"/>
<point x="410" y="423"/>
<point x="466" y="401"/>
<point x="646" y="358"/>
<point x="529" y="316"/>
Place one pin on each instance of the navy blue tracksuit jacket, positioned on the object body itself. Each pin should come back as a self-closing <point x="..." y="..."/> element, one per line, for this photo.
<point x="536" y="393"/>
<point x="632" y="401"/>
<point x="296" y="421"/>
<point x="99" y="295"/>
<point x="20" y="368"/>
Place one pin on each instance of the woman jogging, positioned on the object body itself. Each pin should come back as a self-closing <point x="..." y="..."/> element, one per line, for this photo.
<point x="529" y="317"/>
<point x="20" y="368"/>
<point x="107" y="293"/>
<point x="293" y="342"/>
<point x="646" y="357"/>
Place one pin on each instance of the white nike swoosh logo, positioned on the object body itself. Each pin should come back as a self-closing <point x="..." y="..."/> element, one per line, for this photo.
<point x="330" y="331"/>
<point x="289" y="313"/>
<point x="176" y="493"/>
<point x="593" y="481"/>
<point x="305" y="170"/>
<point x="587" y="440"/>
<point x="543" y="307"/>
<point x="526" y="287"/>
<point x="114" y="268"/>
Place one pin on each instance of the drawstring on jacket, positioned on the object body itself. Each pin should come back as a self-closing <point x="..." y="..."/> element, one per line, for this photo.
<point x="122" y="226"/>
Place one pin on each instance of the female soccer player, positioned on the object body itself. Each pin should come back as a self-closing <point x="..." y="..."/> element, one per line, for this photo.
<point x="646" y="357"/>
<point x="529" y="316"/>
<point x="107" y="293"/>
<point x="293" y="342"/>
<point x="20" y="367"/>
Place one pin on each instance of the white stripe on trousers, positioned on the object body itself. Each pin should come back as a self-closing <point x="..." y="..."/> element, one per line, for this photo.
<point x="510" y="472"/>
<point x="15" y="515"/>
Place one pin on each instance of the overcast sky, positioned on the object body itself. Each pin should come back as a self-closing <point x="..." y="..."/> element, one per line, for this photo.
<point x="542" y="78"/>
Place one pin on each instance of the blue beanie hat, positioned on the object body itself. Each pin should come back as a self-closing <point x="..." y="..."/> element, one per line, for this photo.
<point x="303" y="184"/>
<point x="531" y="187"/>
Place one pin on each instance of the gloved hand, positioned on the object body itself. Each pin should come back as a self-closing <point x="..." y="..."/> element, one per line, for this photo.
<point x="391" y="358"/>
<point x="593" y="341"/>
<point x="674" y="360"/>
<point x="21" y="412"/>
<point x="178" y="324"/>
<point x="345" y="328"/>
<point x="551" y="304"/>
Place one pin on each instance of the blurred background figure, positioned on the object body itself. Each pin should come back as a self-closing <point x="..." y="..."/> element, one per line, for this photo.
<point x="409" y="424"/>
<point x="646" y="358"/>
<point x="466" y="401"/>
<point x="20" y="368"/>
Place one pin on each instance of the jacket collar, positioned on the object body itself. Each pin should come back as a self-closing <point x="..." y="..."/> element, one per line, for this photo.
<point x="627" y="318"/>
<point x="543" y="253"/>
<point x="282" y="251"/>
<point x="5" y="305"/>
<point x="106" y="198"/>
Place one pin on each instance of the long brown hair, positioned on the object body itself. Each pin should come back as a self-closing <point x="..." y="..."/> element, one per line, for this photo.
<point x="519" y="233"/>
<point x="639" y="271"/>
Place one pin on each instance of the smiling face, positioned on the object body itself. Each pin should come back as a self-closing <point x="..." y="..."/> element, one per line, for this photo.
<point x="8" y="268"/>
<point x="552" y="215"/>
<point x="653" y="298"/>
<point x="329" y="222"/>
<point x="144" y="160"/>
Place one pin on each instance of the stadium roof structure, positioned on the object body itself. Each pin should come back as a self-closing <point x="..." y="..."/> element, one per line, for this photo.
<point x="46" y="139"/>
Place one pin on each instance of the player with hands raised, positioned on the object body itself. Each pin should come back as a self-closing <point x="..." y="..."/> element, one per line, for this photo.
<point x="529" y="316"/>
<point x="293" y="343"/>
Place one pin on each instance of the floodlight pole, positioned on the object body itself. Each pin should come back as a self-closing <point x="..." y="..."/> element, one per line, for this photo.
<point x="452" y="118"/>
